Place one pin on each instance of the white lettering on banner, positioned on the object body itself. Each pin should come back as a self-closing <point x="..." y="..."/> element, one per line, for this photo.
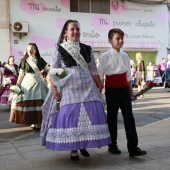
<point x="91" y="34"/>
<point x="121" y="23"/>
<point x="137" y="24"/>
<point x="103" y="21"/>
<point x="51" y="9"/>
<point x="126" y="44"/>
<point x="36" y="7"/>
<point x="148" y="36"/>
<point x="134" y="36"/>
<point x="145" y="24"/>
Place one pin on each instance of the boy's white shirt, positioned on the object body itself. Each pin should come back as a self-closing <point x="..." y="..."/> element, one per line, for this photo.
<point x="113" y="62"/>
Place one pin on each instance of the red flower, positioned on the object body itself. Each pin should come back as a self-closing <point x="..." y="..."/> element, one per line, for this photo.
<point x="150" y="84"/>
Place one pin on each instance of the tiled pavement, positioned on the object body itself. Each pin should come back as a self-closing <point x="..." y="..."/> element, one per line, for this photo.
<point x="154" y="138"/>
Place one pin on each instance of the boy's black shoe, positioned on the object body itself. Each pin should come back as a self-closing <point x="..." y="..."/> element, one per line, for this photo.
<point x="84" y="153"/>
<point x="114" y="150"/>
<point x="137" y="152"/>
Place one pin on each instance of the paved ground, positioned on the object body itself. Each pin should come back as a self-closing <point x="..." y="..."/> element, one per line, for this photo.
<point x="154" y="107"/>
<point x="154" y="137"/>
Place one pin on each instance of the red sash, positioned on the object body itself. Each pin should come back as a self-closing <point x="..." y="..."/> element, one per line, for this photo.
<point x="116" y="80"/>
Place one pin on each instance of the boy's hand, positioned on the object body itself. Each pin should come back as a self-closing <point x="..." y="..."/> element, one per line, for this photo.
<point x="133" y="98"/>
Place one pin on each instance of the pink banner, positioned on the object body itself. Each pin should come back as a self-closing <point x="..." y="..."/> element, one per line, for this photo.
<point x="126" y="44"/>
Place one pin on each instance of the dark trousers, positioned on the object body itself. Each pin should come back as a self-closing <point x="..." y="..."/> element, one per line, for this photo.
<point x="163" y="77"/>
<point x="120" y="98"/>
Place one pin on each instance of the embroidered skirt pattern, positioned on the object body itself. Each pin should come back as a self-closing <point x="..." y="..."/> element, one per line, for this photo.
<point x="84" y="126"/>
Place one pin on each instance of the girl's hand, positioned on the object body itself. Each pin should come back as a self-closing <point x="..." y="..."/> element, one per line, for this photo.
<point x="56" y="95"/>
<point x="100" y="88"/>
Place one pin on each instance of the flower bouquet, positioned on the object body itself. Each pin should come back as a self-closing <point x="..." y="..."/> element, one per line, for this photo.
<point x="145" y="89"/>
<point x="59" y="77"/>
<point x="6" y="81"/>
<point x="15" y="89"/>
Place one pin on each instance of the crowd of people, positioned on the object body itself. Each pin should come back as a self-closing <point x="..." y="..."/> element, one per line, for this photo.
<point x="80" y="122"/>
<point x="142" y="75"/>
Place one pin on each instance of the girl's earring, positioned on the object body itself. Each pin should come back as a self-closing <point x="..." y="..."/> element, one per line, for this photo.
<point x="65" y="38"/>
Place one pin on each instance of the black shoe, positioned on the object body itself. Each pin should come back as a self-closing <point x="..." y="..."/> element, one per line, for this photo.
<point x="137" y="152"/>
<point x="74" y="157"/>
<point x="114" y="150"/>
<point x="84" y="153"/>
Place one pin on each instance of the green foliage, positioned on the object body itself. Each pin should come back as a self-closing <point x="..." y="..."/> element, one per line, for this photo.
<point x="146" y="55"/>
<point x="62" y="75"/>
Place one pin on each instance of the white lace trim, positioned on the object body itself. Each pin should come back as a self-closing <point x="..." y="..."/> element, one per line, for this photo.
<point x="74" y="44"/>
<point x="84" y="132"/>
<point x="34" y="59"/>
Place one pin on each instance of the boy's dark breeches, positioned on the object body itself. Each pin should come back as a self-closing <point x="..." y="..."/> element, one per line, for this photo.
<point x="120" y="98"/>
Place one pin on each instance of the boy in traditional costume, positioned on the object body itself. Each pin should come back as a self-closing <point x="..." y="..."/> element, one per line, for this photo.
<point x="115" y="65"/>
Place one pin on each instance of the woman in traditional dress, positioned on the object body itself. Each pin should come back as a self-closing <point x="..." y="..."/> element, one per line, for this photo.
<point x="10" y="76"/>
<point x="140" y="72"/>
<point x="26" y="107"/>
<point x="81" y="122"/>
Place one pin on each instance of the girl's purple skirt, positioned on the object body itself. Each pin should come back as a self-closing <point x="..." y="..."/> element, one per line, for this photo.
<point x="78" y="126"/>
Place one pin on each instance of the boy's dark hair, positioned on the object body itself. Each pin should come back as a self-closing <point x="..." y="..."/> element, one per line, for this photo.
<point x="114" y="31"/>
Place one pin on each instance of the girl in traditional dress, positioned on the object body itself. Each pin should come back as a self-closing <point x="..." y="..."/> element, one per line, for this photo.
<point x="81" y="122"/>
<point x="10" y="76"/>
<point x="26" y="107"/>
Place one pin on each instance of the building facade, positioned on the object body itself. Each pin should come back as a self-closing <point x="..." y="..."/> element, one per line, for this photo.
<point x="146" y="27"/>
